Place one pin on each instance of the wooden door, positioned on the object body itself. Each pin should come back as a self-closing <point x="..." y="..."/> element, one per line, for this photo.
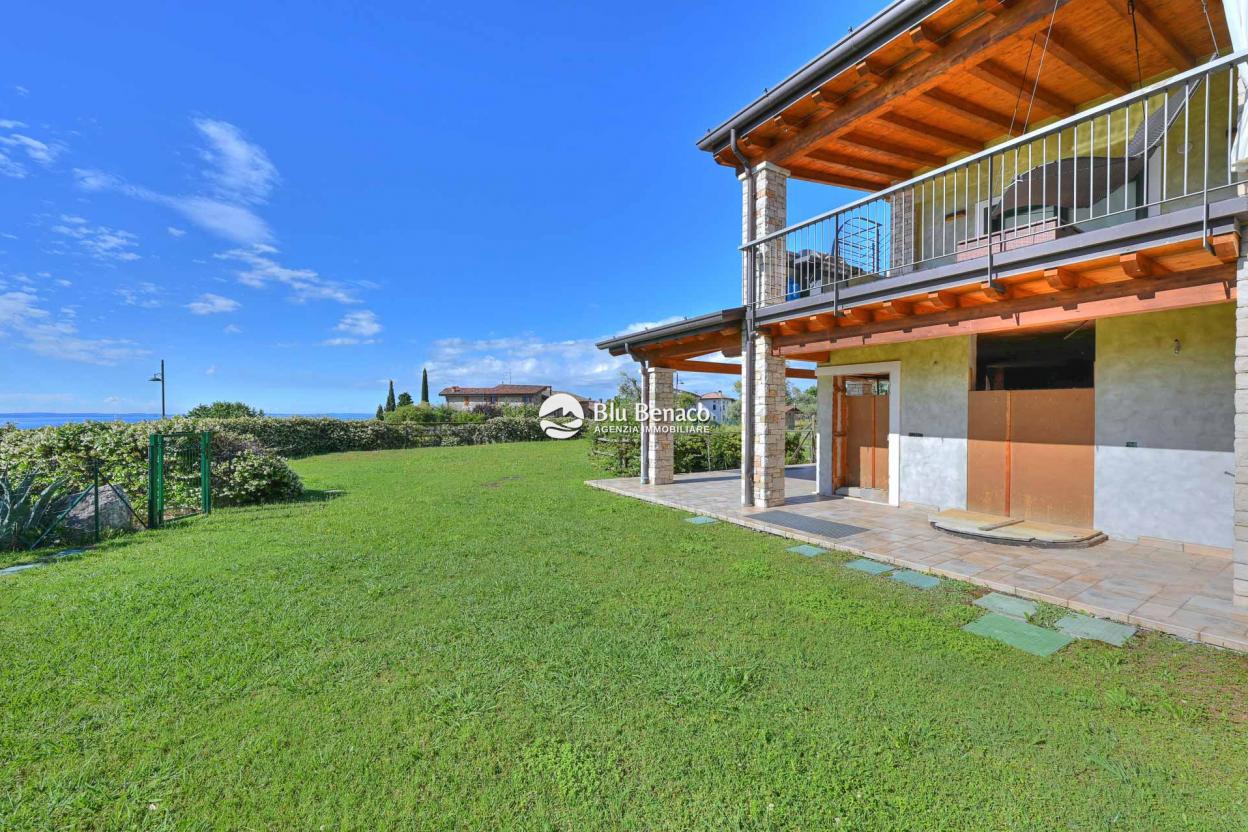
<point x="866" y="441"/>
<point x="1030" y="454"/>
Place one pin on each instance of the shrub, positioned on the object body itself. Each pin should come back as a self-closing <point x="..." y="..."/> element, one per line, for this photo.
<point x="26" y="511"/>
<point x="223" y="410"/>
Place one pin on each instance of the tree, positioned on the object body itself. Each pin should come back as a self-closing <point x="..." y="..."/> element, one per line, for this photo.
<point x="390" y="405"/>
<point x="224" y="410"/>
<point x="381" y="413"/>
<point x="686" y="400"/>
<point x="405" y="400"/>
<point x="630" y="387"/>
<point x="424" y="386"/>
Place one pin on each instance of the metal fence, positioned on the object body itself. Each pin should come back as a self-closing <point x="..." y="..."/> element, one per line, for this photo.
<point x="1165" y="147"/>
<point x="179" y="476"/>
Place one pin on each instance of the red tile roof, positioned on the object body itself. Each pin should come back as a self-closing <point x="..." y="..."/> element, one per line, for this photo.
<point x="496" y="390"/>
<point x="718" y="394"/>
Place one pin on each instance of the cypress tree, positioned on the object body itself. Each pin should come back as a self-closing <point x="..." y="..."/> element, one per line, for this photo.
<point x="381" y="417"/>
<point x="424" y="386"/>
<point x="390" y="398"/>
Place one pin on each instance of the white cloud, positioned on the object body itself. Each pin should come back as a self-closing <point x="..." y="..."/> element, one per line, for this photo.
<point x="11" y="168"/>
<point x="362" y="323"/>
<point x="176" y="232"/>
<point x="33" y="328"/>
<point x="211" y="371"/>
<point x="232" y="329"/>
<point x="10" y="124"/>
<point x="238" y="170"/>
<point x="100" y="241"/>
<point x="347" y="342"/>
<point x="145" y="295"/>
<point x="210" y="304"/>
<point x="20" y="90"/>
<point x="34" y="149"/>
<point x="260" y="269"/>
<point x="638" y="326"/>
<point x="526" y="359"/>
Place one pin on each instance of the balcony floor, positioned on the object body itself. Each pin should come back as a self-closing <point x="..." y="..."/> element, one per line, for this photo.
<point x="1176" y="592"/>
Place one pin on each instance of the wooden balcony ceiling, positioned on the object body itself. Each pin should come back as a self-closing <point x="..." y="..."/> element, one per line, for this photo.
<point x="962" y="80"/>
<point x="1186" y="271"/>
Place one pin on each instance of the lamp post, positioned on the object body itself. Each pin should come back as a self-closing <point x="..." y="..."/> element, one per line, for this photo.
<point x="161" y="378"/>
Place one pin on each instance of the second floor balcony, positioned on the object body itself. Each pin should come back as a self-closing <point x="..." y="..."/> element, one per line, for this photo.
<point x="1162" y="157"/>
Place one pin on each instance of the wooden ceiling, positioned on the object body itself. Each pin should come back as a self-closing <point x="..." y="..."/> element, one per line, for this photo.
<point x="963" y="79"/>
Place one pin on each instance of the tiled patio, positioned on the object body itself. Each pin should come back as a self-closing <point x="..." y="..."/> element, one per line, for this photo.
<point x="1185" y="594"/>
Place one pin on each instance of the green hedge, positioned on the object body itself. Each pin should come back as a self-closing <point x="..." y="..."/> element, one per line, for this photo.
<point x="718" y="450"/>
<point x="243" y="470"/>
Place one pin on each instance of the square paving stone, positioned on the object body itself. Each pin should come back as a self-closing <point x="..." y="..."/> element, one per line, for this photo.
<point x="1026" y="637"/>
<point x="700" y="520"/>
<point x="1019" y="608"/>
<point x="806" y="550"/>
<point x="871" y="567"/>
<point x="916" y="579"/>
<point x="1098" y="629"/>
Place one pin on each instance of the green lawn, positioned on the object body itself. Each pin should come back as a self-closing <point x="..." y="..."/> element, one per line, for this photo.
<point x="471" y="638"/>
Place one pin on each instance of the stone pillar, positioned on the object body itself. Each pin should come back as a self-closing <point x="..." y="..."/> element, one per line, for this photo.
<point x="824" y="387"/>
<point x="1240" y="581"/>
<point x="661" y="396"/>
<point x="644" y="455"/>
<point x="770" y="214"/>
<point x="901" y="235"/>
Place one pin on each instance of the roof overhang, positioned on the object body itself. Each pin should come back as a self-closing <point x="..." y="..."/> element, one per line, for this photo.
<point x="710" y="330"/>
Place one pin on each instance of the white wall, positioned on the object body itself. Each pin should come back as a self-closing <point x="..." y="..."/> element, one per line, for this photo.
<point x="1179" y="410"/>
<point x="935" y="378"/>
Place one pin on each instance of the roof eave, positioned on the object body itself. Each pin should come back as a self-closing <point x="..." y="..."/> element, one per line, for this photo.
<point x="621" y="344"/>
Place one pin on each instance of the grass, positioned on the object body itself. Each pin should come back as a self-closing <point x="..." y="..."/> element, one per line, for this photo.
<point x="470" y="638"/>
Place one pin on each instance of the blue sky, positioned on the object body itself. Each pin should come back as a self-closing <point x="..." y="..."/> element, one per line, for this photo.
<point x="291" y="203"/>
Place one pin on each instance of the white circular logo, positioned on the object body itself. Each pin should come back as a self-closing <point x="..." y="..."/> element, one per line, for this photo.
<point x="562" y="416"/>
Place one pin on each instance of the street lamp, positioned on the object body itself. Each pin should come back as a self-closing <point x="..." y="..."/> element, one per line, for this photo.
<point x="161" y="378"/>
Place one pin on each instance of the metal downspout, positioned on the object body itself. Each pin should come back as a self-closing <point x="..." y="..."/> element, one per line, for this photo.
<point x="747" y="330"/>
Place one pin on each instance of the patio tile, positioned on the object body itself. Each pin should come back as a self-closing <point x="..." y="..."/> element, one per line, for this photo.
<point x="916" y="579"/>
<point x="806" y="550"/>
<point x="1026" y="637"/>
<point x="1098" y="629"/>
<point x="1007" y="605"/>
<point x="871" y="567"/>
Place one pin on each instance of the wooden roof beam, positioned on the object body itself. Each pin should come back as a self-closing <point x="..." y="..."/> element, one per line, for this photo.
<point x="943" y="300"/>
<point x="1137" y="264"/>
<point x="1019" y="20"/>
<point x="925" y="37"/>
<point x="828" y="157"/>
<point x="927" y="131"/>
<point x="826" y="177"/>
<point x="1163" y="40"/>
<point x="826" y="101"/>
<point x="906" y="154"/>
<point x="872" y="72"/>
<point x="1010" y="81"/>
<point x="970" y="110"/>
<point x="1067" y="50"/>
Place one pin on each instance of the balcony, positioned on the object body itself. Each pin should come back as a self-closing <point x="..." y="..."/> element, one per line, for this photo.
<point x="1163" y="153"/>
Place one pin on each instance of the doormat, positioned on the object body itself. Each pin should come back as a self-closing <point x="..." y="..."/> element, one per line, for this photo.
<point x="1098" y="629"/>
<point x="802" y="523"/>
<point x="916" y="579"/>
<point x="700" y="520"/>
<point x="1026" y="637"/>
<point x="806" y="550"/>
<point x="871" y="567"/>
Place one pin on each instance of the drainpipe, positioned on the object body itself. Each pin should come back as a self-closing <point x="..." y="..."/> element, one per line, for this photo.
<point x="747" y="331"/>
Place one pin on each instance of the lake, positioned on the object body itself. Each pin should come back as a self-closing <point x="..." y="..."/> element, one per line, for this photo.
<point x="40" y="420"/>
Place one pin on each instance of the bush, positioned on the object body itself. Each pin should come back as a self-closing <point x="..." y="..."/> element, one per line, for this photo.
<point x="223" y="410"/>
<point x="243" y="469"/>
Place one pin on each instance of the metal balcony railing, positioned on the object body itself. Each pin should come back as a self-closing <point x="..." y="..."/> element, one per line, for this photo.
<point x="1164" y="147"/>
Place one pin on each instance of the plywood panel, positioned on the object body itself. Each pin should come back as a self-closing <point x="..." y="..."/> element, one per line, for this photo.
<point x="987" y="460"/>
<point x="879" y="443"/>
<point x="860" y="410"/>
<point x="1052" y="468"/>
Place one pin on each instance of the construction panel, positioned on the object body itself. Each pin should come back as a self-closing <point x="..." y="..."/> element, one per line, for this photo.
<point x="1052" y="470"/>
<point x="987" y="460"/>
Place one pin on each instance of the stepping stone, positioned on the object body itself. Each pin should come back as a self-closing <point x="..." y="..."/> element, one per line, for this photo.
<point x="21" y="567"/>
<point x="916" y="579"/>
<point x="871" y="567"/>
<point x="1026" y="637"/>
<point x="700" y="520"/>
<point x="1019" y="608"/>
<point x="807" y="550"/>
<point x="1097" y="629"/>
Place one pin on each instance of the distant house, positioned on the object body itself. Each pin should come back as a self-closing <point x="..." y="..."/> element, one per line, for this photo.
<point x="466" y="398"/>
<point x="716" y="404"/>
<point x="502" y="395"/>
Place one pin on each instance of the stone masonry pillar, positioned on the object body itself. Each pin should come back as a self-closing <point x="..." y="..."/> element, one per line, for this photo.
<point x="1240" y="580"/>
<point x="824" y="403"/>
<point x="771" y="265"/>
<point x="662" y="442"/>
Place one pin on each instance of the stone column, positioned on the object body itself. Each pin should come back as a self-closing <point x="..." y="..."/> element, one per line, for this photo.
<point x="1240" y="581"/>
<point x="644" y="455"/>
<point x="771" y="214"/>
<point x="661" y="396"/>
<point x="824" y="387"/>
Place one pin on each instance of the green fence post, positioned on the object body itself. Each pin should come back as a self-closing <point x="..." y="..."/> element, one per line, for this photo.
<point x="95" y="494"/>
<point x="205" y="471"/>
<point x="153" y="463"/>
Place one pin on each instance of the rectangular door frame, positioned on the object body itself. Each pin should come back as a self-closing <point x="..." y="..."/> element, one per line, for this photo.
<point x="826" y="376"/>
